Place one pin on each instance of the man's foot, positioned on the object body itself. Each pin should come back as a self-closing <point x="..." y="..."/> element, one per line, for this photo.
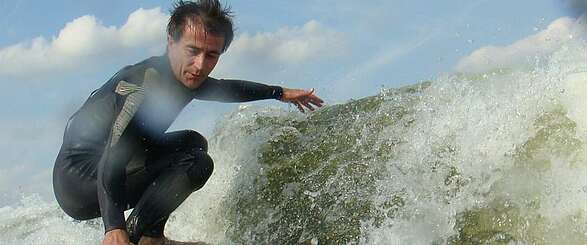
<point x="165" y="241"/>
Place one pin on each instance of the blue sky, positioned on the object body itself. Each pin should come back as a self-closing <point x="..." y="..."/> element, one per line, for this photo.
<point x="54" y="53"/>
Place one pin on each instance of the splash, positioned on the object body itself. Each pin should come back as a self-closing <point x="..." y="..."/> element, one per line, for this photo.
<point x="491" y="158"/>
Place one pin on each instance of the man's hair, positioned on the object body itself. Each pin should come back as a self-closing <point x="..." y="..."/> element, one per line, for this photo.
<point x="217" y="20"/>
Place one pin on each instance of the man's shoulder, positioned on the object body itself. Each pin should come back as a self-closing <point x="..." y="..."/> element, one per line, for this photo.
<point x="135" y="73"/>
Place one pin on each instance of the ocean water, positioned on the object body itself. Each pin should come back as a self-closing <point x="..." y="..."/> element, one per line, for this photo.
<point x="491" y="158"/>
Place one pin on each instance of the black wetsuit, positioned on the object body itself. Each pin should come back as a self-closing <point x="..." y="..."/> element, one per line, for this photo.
<point x="116" y="154"/>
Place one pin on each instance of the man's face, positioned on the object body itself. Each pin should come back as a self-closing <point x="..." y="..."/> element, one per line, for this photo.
<point x="194" y="55"/>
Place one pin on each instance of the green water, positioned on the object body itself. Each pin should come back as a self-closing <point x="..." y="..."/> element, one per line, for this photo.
<point x="318" y="178"/>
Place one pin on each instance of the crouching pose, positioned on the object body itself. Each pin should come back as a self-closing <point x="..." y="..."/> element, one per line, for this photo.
<point x="116" y="153"/>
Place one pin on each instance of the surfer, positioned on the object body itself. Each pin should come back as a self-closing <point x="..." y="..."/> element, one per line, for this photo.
<point x="116" y="153"/>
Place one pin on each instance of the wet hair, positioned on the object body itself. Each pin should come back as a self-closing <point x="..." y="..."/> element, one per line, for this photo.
<point x="216" y="19"/>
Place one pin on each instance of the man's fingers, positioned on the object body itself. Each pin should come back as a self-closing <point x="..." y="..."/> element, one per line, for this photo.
<point x="299" y="106"/>
<point x="316" y="103"/>
<point x="305" y="103"/>
<point x="316" y="98"/>
<point x="312" y="103"/>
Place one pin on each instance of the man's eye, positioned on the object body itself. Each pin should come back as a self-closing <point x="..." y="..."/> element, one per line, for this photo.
<point x="192" y="51"/>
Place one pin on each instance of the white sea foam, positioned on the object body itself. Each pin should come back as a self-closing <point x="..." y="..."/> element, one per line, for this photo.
<point x="478" y="125"/>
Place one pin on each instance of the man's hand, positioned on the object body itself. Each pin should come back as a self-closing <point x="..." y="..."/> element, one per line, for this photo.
<point x="116" y="237"/>
<point x="301" y="98"/>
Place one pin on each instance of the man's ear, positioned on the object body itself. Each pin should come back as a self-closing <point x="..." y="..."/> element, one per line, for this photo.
<point x="169" y="40"/>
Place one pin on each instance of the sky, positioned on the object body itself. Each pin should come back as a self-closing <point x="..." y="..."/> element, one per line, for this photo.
<point x="54" y="53"/>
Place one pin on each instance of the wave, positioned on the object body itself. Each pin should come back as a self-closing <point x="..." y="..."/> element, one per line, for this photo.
<point x="491" y="158"/>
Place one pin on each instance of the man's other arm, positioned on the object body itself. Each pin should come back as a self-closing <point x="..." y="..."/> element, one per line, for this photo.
<point x="227" y="90"/>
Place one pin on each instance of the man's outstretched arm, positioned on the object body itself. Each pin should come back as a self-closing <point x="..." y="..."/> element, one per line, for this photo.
<point x="225" y="90"/>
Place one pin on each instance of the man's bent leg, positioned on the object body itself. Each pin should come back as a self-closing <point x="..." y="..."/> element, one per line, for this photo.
<point x="184" y="167"/>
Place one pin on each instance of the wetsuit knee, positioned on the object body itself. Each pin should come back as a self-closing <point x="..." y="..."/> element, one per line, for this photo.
<point x="191" y="138"/>
<point x="197" y="139"/>
<point x="201" y="169"/>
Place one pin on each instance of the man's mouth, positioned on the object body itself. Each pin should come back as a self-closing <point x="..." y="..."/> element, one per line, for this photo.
<point x="190" y="76"/>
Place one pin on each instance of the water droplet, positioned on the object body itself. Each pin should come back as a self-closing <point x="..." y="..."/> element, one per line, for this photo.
<point x="312" y="194"/>
<point x="314" y="241"/>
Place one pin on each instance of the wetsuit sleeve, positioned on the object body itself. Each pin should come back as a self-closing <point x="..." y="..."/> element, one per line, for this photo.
<point x="225" y="90"/>
<point x="121" y="145"/>
<point x="111" y="187"/>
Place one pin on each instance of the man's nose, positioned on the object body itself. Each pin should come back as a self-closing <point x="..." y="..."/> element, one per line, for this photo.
<point x="199" y="61"/>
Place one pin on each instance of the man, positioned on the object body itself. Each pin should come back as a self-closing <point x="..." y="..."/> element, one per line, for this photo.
<point x="116" y="154"/>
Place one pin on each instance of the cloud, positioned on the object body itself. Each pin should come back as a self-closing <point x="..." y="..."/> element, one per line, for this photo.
<point x="288" y="46"/>
<point x="84" y="42"/>
<point x="525" y="50"/>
